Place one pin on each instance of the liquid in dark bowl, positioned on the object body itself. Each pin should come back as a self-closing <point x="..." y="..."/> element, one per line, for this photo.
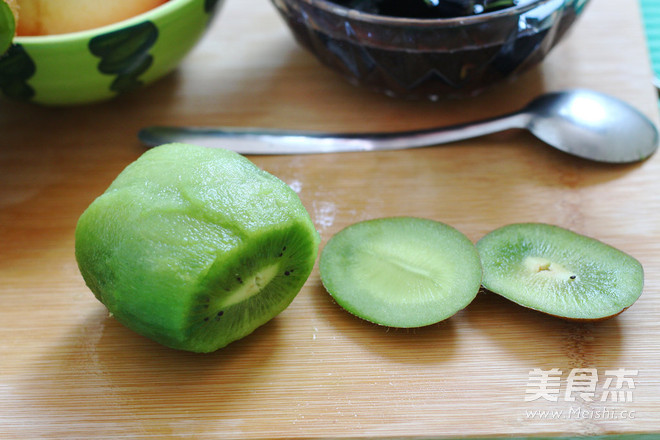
<point x="429" y="57"/>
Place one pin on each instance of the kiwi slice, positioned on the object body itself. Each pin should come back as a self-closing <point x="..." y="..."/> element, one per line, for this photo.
<point x="559" y="272"/>
<point x="401" y="271"/>
<point x="195" y="247"/>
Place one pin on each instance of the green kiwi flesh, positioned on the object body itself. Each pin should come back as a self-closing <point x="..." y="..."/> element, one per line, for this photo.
<point x="559" y="272"/>
<point x="7" y="27"/>
<point x="195" y="247"/>
<point x="401" y="271"/>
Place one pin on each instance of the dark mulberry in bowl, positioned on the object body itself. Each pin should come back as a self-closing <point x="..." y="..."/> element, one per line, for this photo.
<point x="429" y="57"/>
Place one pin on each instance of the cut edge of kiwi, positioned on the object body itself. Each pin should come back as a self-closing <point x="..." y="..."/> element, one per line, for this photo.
<point x="245" y="299"/>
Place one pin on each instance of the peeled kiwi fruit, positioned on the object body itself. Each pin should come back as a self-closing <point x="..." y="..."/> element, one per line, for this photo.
<point x="401" y="271"/>
<point x="195" y="247"/>
<point x="559" y="272"/>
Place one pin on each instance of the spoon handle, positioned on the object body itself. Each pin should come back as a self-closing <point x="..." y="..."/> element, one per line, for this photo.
<point x="271" y="142"/>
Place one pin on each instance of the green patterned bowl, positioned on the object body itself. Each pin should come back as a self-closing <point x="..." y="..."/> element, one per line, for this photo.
<point x="99" y="64"/>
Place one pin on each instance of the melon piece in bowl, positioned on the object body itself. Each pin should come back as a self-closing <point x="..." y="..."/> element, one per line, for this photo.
<point x="47" y="17"/>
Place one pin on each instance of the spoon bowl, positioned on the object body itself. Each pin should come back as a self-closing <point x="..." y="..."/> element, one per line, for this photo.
<point x="583" y="123"/>
<point x="593" y="126"/>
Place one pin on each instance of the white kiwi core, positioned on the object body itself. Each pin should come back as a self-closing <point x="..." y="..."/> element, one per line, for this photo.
<point x="545" y="268"/>
<point x="251" y="286"/>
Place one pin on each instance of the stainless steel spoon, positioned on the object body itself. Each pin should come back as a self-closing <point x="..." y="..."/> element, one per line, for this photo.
<point x="583" y="123"/>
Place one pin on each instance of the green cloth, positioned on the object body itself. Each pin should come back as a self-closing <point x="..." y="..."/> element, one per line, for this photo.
<point x="651" y="16"/>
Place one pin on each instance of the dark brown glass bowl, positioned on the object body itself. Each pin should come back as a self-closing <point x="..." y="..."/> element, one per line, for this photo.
<point x="429" y="58"/>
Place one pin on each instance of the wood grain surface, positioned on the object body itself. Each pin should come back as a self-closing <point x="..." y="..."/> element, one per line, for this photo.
<point x="68" y="370"/>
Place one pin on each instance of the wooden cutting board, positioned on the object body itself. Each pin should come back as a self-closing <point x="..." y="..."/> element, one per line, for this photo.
<point x="67" y="370"/>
